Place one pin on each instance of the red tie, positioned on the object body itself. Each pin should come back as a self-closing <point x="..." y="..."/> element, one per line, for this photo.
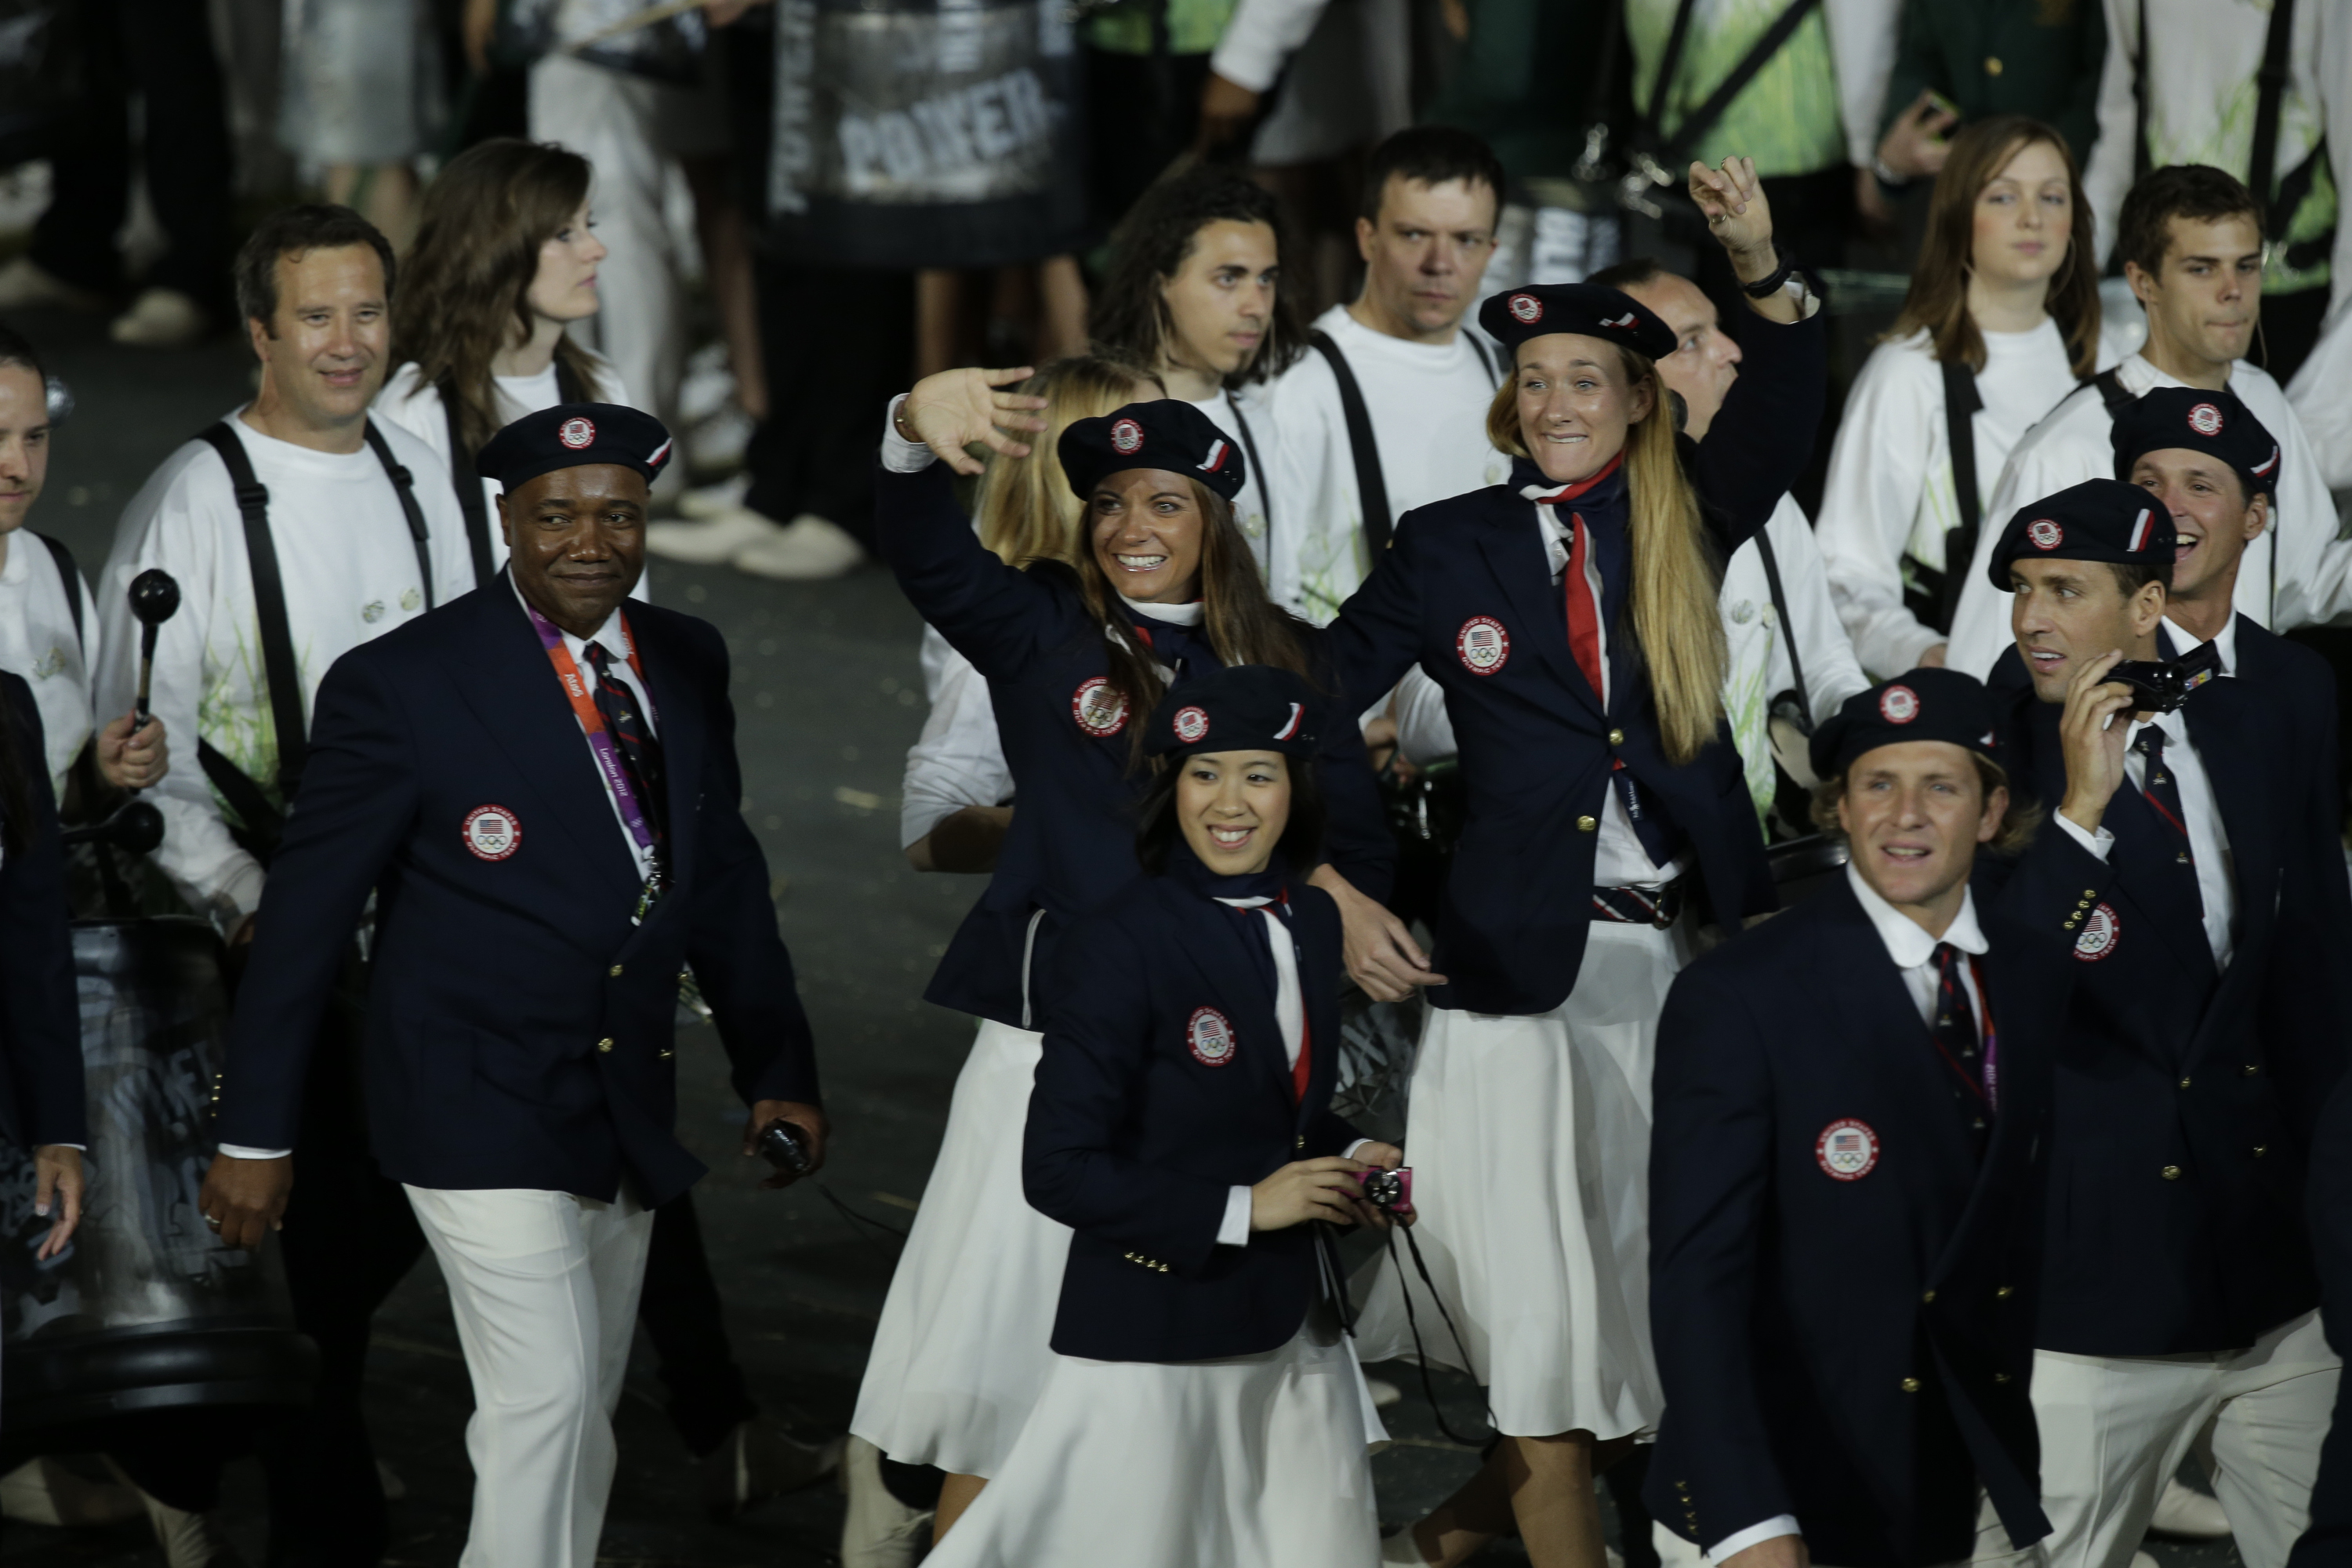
<point x="1583" y="607"/>
<point x="1302" y="1070"/>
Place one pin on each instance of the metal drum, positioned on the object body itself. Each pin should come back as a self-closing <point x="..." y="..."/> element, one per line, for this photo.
<point x="146" y="1310"/>
<point x="1803" y="866"/>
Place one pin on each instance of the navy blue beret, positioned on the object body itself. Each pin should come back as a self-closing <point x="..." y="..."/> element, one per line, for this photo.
<point x="2098" y="520"/>
<point x="1241" y="708"/>
<point x="573" y="436"/>
<point x="2213" y="423"/>
<point x="1585" y="308"/>
<point x="1924" y="705"/>
<point x="1166" y="433"/>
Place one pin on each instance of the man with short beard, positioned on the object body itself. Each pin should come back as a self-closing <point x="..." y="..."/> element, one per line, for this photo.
<point x="2194" y="850"/>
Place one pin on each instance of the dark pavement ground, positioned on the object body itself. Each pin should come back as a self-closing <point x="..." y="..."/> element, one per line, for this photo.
<point x="829" y="697"/>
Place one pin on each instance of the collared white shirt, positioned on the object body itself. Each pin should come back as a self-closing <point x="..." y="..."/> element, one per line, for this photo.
<point x="617" y="648"/>
<point x="2217" y="888"/>
<point x="1619" y="860"/>
<point x="1912" y="953"/>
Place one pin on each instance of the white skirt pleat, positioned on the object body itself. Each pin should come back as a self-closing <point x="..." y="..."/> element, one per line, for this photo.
<point x="1529" y="1144"/>
<point x="963" y="1345"/>
<point x="1255" y="1462"/>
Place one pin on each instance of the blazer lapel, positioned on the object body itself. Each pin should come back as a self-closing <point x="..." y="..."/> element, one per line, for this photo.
<point x="1214" y="934"/>
<point x="1897" y="1051"/>
<point x="502" y="673"/>
<point x="1318" y="953"/>
<point x="680" y="728"/>
<point x="1515" y="554"/>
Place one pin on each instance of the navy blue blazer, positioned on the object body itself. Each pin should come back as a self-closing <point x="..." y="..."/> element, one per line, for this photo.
<point x="520" y="1029"/>
<point x="2185" y="1100"/>
<point x="1146" y="1115"/>
<point x="41" y="1098"/>
<point x="1537" y="749"/>
<point x="2329" y="1542"/>
<point x="1852" y="1349"/>
<point x="1072" y="844"/>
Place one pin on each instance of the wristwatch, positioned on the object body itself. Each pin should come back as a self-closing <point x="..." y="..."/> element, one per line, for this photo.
<point x="1765" y="287"/>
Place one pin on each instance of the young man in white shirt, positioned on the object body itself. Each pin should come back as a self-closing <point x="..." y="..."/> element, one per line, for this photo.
<point x="1421" y="384"/>
<point x="366" y="536"/>
<point x="2192" y="249"/>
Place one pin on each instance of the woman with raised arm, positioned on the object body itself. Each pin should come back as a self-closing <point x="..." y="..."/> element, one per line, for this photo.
<point x="1571" y="617"/>
<point x="1075" y="655"/>
<point x="2002" y="320"/>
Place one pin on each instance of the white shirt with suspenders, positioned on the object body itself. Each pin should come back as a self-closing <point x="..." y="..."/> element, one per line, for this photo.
<point x="48" y="635"/>
<point x="352" y="560"/>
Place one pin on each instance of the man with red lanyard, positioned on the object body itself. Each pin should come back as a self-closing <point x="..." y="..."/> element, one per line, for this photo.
<point x="541" y="789"/>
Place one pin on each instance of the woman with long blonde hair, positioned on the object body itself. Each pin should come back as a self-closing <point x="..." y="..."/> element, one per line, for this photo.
<point x="505" y="261"/>
<point x="2001" y="321"/>
<point x="1076" y="625"/>
<point x="1570" y="616"/>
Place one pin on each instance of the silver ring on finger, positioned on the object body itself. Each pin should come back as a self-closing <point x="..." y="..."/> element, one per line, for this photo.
<point x="213" y="1220"/>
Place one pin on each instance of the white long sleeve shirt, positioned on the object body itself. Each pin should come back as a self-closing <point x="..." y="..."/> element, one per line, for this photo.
<point x="2313" y="569"/>
<point x="1890" y="493"/>
<point x="38" y="642"/>
<point x="350" y="574"/>
<point x="2202" y="64"/>
<point x="1428" y="406"/>
<point x="2318" y="396"/>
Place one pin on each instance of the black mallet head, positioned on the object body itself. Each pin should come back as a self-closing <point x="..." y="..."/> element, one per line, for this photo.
<point x="154" y="596"/>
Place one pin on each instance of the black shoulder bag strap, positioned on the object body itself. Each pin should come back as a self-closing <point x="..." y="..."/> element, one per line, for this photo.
<point x="1371" y="485"/>
<point x="1700" y="120"/>
<point x="2139" y="101"/>
<point x="1486" y="360"/>
<point x="2270" y="98"/>
<point x="1788" y="623"/>
<point x="262" y="820"/>
<point x="2111" y="391"/>
<point x="403" y="485"/>
<point x="1962" y="402"/>
<point x="71" y="571"/>
<point x="468" y="486"/>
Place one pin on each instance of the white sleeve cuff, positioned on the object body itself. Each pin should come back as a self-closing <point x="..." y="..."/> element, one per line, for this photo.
<point x="1349" y="1152"/>
<point x="2098" y="842"/>
<point x="899" y="455"/>
<point x="239" y="1152"/>
<point x="1741" y="1540"/>
<point x="1234" y="1231"/>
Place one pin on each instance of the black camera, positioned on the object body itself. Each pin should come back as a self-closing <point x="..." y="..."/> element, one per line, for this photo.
<point x="2160" y="686"/>
<point x="783" y="1146"/>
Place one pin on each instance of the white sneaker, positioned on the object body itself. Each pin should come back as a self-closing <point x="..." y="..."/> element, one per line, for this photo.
<point x="809" y="550"/>
<point x="160" y="318"/>
<point x="2182" y="1510"/>
<point x="719" y="443"/>
<point x="26" y="284"/>
<point x="878" y="1531"/>
<point x="189" y="1539"/>
<point x="43" y="1491"/>
<point x="714" y="539"/>
<point x="755" y="1463"/>
<point x="710" y="501"/>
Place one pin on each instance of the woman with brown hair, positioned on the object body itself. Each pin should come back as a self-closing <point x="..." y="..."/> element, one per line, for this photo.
<point x="505" y="259"/>
<point x="2002" y="320"/>
<point x="1159" y="589"/>
<point x="1570" y="616"/>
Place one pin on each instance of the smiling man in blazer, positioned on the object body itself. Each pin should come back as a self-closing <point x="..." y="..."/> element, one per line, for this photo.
<point x="1846" y="1177"/>
<point x="541" y="788"/>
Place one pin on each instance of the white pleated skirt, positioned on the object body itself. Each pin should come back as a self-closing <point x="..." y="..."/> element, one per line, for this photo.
<point x="964" y="1346"/>
<point x="1529" y="1144"/>
<point x="1260" y="1461"/>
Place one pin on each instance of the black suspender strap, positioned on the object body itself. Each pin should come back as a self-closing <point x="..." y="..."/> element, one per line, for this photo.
<point x="278" y="670"/>
<point x="403" y="485"/>
<point x="1788" y="623"/>
<point x="2139" y="101"/>
<point x="1486" y="360"/>
<point x="1257" y="468"/>
<point x="468" y="486"/>
<point x="1371" y="486"/>
<point x="71" y="571"/>
<point x="2111" y="391"/>
<point x="1700" y="120"/>
<point x="2270" y="98"/>
<point x="1962" y="402"/>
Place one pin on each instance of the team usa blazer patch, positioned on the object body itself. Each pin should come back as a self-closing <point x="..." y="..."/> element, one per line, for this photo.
<point x="1482" y="644"/>
<point x="1847" y="1150"/>
<point x="1211" y="1038"/>
<point x="1099" y="707"/>
<point x="492" y="833"/>
<point x="2099" y="935"/>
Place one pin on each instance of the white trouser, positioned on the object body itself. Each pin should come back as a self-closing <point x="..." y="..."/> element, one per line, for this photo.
<point x="544" y="1287"/>
<point x="2115" y="1429"/>
<point x="630" y="129"/>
